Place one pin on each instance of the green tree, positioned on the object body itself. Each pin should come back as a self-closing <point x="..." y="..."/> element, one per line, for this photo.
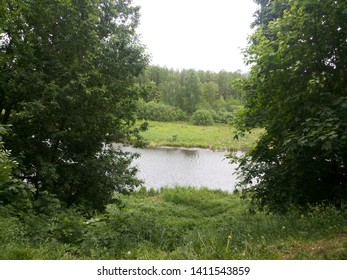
<point x="172" y="90"/>
<point x="66" y="88"/>
<point x="210" y="91"/>
<point x="192" y="91"/>
<point x="297" y="92"/>
<point x="220" y="104"/>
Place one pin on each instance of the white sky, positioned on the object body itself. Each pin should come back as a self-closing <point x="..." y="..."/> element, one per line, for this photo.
<point x="199" y="34"/>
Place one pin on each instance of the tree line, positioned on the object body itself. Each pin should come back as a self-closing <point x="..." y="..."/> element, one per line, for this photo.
<point x="186" y="91"/>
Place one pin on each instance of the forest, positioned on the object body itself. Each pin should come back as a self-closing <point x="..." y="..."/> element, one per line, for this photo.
<point x="76" y="79"/>
<point x="179" y="95"/>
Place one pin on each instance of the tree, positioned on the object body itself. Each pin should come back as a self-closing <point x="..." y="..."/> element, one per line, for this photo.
<point x="210" y="91"/>
<point x="66" y="89"/>
<point x="172" y="90"/>
<point x="297" y="92"/>
<point x="192" y="92"/>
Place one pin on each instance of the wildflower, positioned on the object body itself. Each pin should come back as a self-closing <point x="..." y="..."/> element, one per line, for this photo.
<point x="227" y="248"/>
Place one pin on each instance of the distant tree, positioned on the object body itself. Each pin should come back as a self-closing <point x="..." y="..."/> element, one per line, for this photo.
<point x="157" y="74"/>
<point x="67" y="71"/>
<point x="210" y="91"/>
<point x="171" y="90"/>
<point x="189" y="89"/>
<point x="224" y="84"/>
<point x="220" y="104"/>
<point x="297" y="92"/>
<point x="152" y="92"/>
<point x="192" y="92"/>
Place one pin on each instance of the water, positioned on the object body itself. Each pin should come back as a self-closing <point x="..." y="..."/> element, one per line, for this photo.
<point x="167" y="166"/>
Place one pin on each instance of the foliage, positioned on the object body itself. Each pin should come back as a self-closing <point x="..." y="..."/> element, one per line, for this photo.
<point x="222" y="116"/>
<point x="15" y="195"/>
<point x="6" y="164"/>
<point x="67" y="91"/>
<point x="297" y="92"/>
<point x="190" y="90"/>
<point x="159" y="112"/>
<point x="202" y="117"/>
<point x="100" y="177"/>
<point x="177" y="223"/>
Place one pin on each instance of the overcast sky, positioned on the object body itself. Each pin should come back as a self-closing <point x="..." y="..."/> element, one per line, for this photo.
<point x="199" y="34"/>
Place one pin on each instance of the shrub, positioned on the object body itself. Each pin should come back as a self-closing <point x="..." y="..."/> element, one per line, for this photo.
<point x="222" y="117"/>
<point x="160" y="112"/>
<point x="15" y="195"/>
<point x="202" y="117"/>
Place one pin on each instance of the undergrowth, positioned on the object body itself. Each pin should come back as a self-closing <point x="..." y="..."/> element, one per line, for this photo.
<point x="177" y="223"/>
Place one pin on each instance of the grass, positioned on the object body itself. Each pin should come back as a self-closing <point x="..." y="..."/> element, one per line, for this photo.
<point x="181" y="223"/>
<point x="196" y="223"/>
<point x="183" y="134"/>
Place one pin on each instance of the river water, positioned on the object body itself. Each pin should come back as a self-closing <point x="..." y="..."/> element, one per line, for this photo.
<point x="166" y="166"/>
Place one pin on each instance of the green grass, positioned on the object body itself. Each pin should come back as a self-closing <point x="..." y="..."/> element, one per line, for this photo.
<point x="195" y="224"/>
<point x="183" y="134"/>
<point x="179" y="223"/>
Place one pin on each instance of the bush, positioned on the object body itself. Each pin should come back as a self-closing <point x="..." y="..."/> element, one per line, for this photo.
<point x="202" y="117"/>
<point x="154" y="111"/>
<point x="222" y="117"/>
<point x="15" y="195"/>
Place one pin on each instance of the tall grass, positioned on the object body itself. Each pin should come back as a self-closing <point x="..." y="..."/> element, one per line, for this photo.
<point x="178" y="223"/>
<point x="188" y="223"/>
<point x="16" y="244"/>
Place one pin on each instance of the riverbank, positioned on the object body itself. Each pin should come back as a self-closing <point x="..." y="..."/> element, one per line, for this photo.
<point x="184" y="134"/>
<point x="177" y="223"/>
<point x="189" y="223"/>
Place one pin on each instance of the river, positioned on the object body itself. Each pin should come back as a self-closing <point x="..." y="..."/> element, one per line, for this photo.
<point x="166" y="166"/>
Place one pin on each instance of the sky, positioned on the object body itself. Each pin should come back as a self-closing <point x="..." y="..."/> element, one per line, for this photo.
<point x="204" y="35"/>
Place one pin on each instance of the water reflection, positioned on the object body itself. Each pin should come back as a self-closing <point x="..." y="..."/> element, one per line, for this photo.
<point x="167" y="166"/>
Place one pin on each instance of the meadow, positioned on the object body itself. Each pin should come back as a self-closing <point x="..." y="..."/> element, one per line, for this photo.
<point x="184" y="134"/>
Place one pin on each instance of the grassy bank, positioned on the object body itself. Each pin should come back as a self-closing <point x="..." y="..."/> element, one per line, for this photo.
<point x="183" y="134"/>
<point x="185" y="223"/>
<point x="178" y="223"/>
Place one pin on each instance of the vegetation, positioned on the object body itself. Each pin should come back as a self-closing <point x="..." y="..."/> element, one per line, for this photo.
<point x="177" y="223"/>
<point x="184" y="134"/>
<point x="297" y="91"/>
<point x="189" y="91"/>
<point x="202" y="117"/>
<point x="66" y="194"/>
<point x="155" y="111"/>
<point x="67" y="100"/>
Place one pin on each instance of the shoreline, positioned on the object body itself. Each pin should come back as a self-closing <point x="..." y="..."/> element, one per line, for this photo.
<point x="217" y="137"/>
